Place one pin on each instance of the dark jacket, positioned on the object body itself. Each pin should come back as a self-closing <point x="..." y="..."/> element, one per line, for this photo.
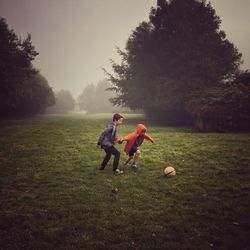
<point x="108" y="136"/>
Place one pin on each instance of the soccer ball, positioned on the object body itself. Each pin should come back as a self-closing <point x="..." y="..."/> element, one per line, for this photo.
<point x="169" y="171"/>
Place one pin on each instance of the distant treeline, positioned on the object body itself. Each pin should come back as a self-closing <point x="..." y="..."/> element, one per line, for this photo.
<point x="180" y="69"/>
<point x="96" y="99"/>
<point x="64" y="103"/>
<point x="93" y="99"/>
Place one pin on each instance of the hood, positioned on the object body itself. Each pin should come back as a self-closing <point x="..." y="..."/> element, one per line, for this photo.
<point x="139" y="128"/>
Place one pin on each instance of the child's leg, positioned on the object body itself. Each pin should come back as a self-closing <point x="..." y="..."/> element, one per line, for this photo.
<point x="136" y="156"/>
<point x="128" y="160"/>
<point x="131" y="154"/>
<point x="117" y="154"/>
<point x="106" y="158"/>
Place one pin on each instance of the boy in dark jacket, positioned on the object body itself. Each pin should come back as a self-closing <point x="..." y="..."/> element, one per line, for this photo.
<point x="106" y="142"/>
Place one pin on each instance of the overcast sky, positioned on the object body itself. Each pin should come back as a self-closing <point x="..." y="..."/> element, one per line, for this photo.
<point x="76" y="38"/>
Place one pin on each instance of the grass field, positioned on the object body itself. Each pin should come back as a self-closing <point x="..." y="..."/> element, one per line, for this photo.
<point x="53" y="197"/>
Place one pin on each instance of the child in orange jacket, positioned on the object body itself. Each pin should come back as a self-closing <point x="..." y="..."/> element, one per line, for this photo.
<point x="134" y="141"/>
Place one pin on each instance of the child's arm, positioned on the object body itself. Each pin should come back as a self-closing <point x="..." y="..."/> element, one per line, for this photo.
<point x="149" y="138"/>
<point x="125" y="138"/>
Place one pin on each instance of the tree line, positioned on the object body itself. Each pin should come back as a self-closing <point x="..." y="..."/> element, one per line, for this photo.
<point x="180" y="69"/>
<point x="97" y="98"/>
<point x="94" y="98"/>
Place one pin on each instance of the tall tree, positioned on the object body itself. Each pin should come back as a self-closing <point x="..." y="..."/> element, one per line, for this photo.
<point x="22" y="90"/>
<point x="172" y="58"/>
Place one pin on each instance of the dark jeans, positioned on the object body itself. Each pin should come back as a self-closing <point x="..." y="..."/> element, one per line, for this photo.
<point x="111" y="151"/>
<point x="133" y="150"/>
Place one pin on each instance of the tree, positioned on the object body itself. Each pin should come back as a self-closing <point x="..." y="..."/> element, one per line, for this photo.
<point x="96" y="98"/>
<point x="243" y="77"/>
<point x="223" y="108"/>
<point x="103" y="97"/>
<point x="23" y="91"/>
<point x="64" y="102"/>
<point x="39" y="95"/>
<point x="86" y="99"/>
<point x="180" y="52"/>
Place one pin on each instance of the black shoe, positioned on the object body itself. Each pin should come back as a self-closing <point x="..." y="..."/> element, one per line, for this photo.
<point x="101" y="168"/>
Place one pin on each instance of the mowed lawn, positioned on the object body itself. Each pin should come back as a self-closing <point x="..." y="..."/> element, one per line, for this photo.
<point x="54" y="197"/>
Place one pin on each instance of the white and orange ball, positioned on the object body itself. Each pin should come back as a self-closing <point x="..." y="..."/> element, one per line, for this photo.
<point x="169" y="171"/>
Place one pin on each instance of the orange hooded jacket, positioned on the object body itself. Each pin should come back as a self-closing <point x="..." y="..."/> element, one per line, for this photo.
<point x="130" y="139"/>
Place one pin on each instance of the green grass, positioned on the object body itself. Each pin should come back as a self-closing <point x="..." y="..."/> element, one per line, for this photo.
<point x="53" y="197"/>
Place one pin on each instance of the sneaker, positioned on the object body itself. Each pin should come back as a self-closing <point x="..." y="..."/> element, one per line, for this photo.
<point x="118" y="171"/>
<point x="134" y="166"/>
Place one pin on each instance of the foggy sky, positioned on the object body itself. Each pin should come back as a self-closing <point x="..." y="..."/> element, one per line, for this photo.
<point x="76" y="38"/>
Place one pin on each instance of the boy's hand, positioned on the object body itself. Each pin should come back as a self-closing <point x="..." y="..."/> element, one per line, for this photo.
<point x="119" y="141"/>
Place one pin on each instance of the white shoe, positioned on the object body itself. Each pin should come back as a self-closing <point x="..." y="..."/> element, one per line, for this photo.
<point x="118" y="171"/>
